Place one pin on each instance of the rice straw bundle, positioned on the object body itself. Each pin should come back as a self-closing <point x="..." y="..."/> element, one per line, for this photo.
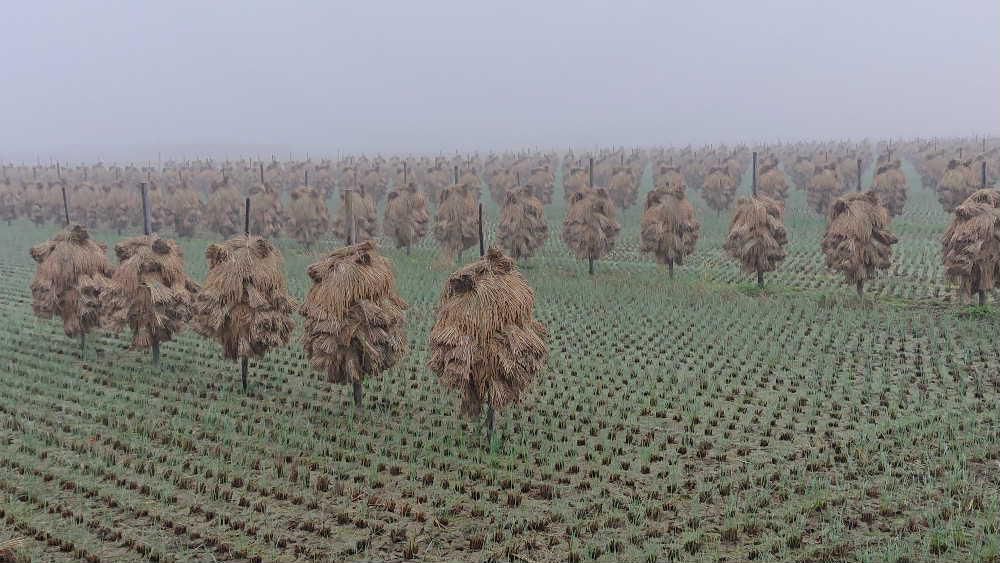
<point x="957" y="184"/>
<point x="890" y="186"/>
<point x="719" y="189"/>
<point x="757" y="235"/>
<point x="185" y="207"/>
<point x="590" y="228"/>
<point x="669" y="227"/>
<point x="406" y="216"/>
<point x="224" y="210"/>
<point x="824" y="187"/>
<point x="771" y="180"/>
<point x="858" y="242"/>
<point x="355" y="325"/>
<point x="266" y="213"/>
<point x="522" y="229"/>
<point x="149" y="292"/>
<point x="72" y="270"/>
<point x="486" y="343"/>
<point x="244" y="303"/>
<point x="971" y="245"/>
<point x="363" y="212"/>
<point x="307" y="215"/>
<point x="624" y="187"/>
<point x="455" y="224"/>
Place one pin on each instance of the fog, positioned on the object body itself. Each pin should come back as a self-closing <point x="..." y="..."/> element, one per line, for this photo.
<point x="133" y="80"/>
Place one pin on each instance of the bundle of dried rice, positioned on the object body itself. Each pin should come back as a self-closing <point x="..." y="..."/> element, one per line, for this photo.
<point x="355" y="325"/>
<point x="624" y="187"/>
<point x="576" y="181"/>
<point x="957" y="184"/>
<point x="890" y="185"/>
<point x="719" y="189"/>
<point x="824" y="187"/>
<point x="971" y="245"/>
<point x="590" y="227"/>
<point x="364" y="215"/>
<point x="149" y="292"/>
<point x="771" y="180"/>
<point x="161" y="215"/>
<point x="84" y="205"/>
<point x="36" y="204"/>
<point x="224" y="210"/>
<point x="542" y="183"/>
<point x="523" y="228"/>
<point x="857" y="240"/>
<point x="72" y="270"/>
<point x="406" y="216"/>
<point x="307" y="215"/>
<point x="501" y="181"/>
<point x="669" y="227"/>
<point x="10" y="201"/>
<point x="185" y="208"/>
<point x="119" y="206"/>
<point x="757" y="236"/>
<point x="244" y="304"/>
<point x="456" y="227"/>
<point x="668" y="176"/>
<point x="486" y="342"/>
<point x="266" y="212"/>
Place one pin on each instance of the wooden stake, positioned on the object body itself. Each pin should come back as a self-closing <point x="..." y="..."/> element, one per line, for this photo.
<point x="246" y="218"/>
<point x="349" y="215"/>
<point x="456" y="173"/>
<point x="753" y="177"/>
<point x="482" y="248"/>
<point x="591" y="172"/>
<point x="262" y="173"/>
<point x="65" y="206"/>
<point x="859" y="174"/>
<point x="983" y="179"/>
<point x="244" y="362"/>
<point x="146" y="230"/>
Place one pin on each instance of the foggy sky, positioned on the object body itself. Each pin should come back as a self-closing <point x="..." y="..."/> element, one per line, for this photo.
<point x="126" y="80"/>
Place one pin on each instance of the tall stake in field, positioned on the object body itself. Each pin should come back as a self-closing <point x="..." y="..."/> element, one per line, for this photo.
<point x="355" y="322"/>
<point x="485" y="342"/>
<point x="971" y="245"/>
<point x="757" y="236"/>
<point x="244" y="304"/>
<point x="149" y="292"/>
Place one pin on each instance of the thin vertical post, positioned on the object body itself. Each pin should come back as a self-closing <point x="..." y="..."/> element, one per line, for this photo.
<point x="146" y="215"/>
<point x="246" y="217"/>
<point x="753" y="177"/>
<point x="859" y="174"/>
<point x="307" y="178"/>
<point x="591" y="172"/>
<point x="262" y="173"/>
<point x="404" y="173"/>
<point x="482" y="247"/>
<point x="456" y="173"/>
<point x="65" y="206"/>
<point x="983" y="179"/>
<point x="244" y="361"/>
<point x="349" y="215"/>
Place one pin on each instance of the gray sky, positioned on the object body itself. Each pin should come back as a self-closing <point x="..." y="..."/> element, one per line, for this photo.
<point x="124" y="80"/>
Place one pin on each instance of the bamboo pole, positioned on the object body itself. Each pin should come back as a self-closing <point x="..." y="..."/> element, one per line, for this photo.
<point x="244" y="362"/>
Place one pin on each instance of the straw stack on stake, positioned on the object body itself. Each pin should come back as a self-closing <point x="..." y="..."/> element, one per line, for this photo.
<point x="355" y="325"/>
<point x="858" y="242"/>
<point x="223" y="209"/>
<point x="590" y="228"/>
<point x="268" y="216"/>
<point x="244" y="303"/>
<point x="522" y="229"/>
<point x="757" y="235"/>
<point x="669" y="227"/>
<point x="824" y="187"/>
<point x="308" y="216"/>
<point x="624" y="187"/>
<point x="890" y="185"/>
<point x="455" y="226"/>
<point x="719" y="189"/>
<point x="149" y="292"/>
<point x="771" y="180"/>
<point x="406" y="216"/>
<point x="486" y="343"/>
<point x="971" y="245"/>
<point x="361" y="207"/>
<point x="956" y="185"/>
<point x="72" y="271"/>
<point x="185" y="205"/>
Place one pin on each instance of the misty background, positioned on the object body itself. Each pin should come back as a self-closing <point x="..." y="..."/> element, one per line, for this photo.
<point x="183" y="79"/>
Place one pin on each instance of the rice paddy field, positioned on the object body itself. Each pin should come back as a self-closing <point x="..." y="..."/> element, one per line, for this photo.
<point x="693" y="419"/>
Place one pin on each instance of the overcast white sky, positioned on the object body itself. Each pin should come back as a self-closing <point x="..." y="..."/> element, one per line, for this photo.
<point x="125" y="80"/>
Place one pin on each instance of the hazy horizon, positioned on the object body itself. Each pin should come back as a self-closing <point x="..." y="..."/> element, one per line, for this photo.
<point x="131" y="81"/>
